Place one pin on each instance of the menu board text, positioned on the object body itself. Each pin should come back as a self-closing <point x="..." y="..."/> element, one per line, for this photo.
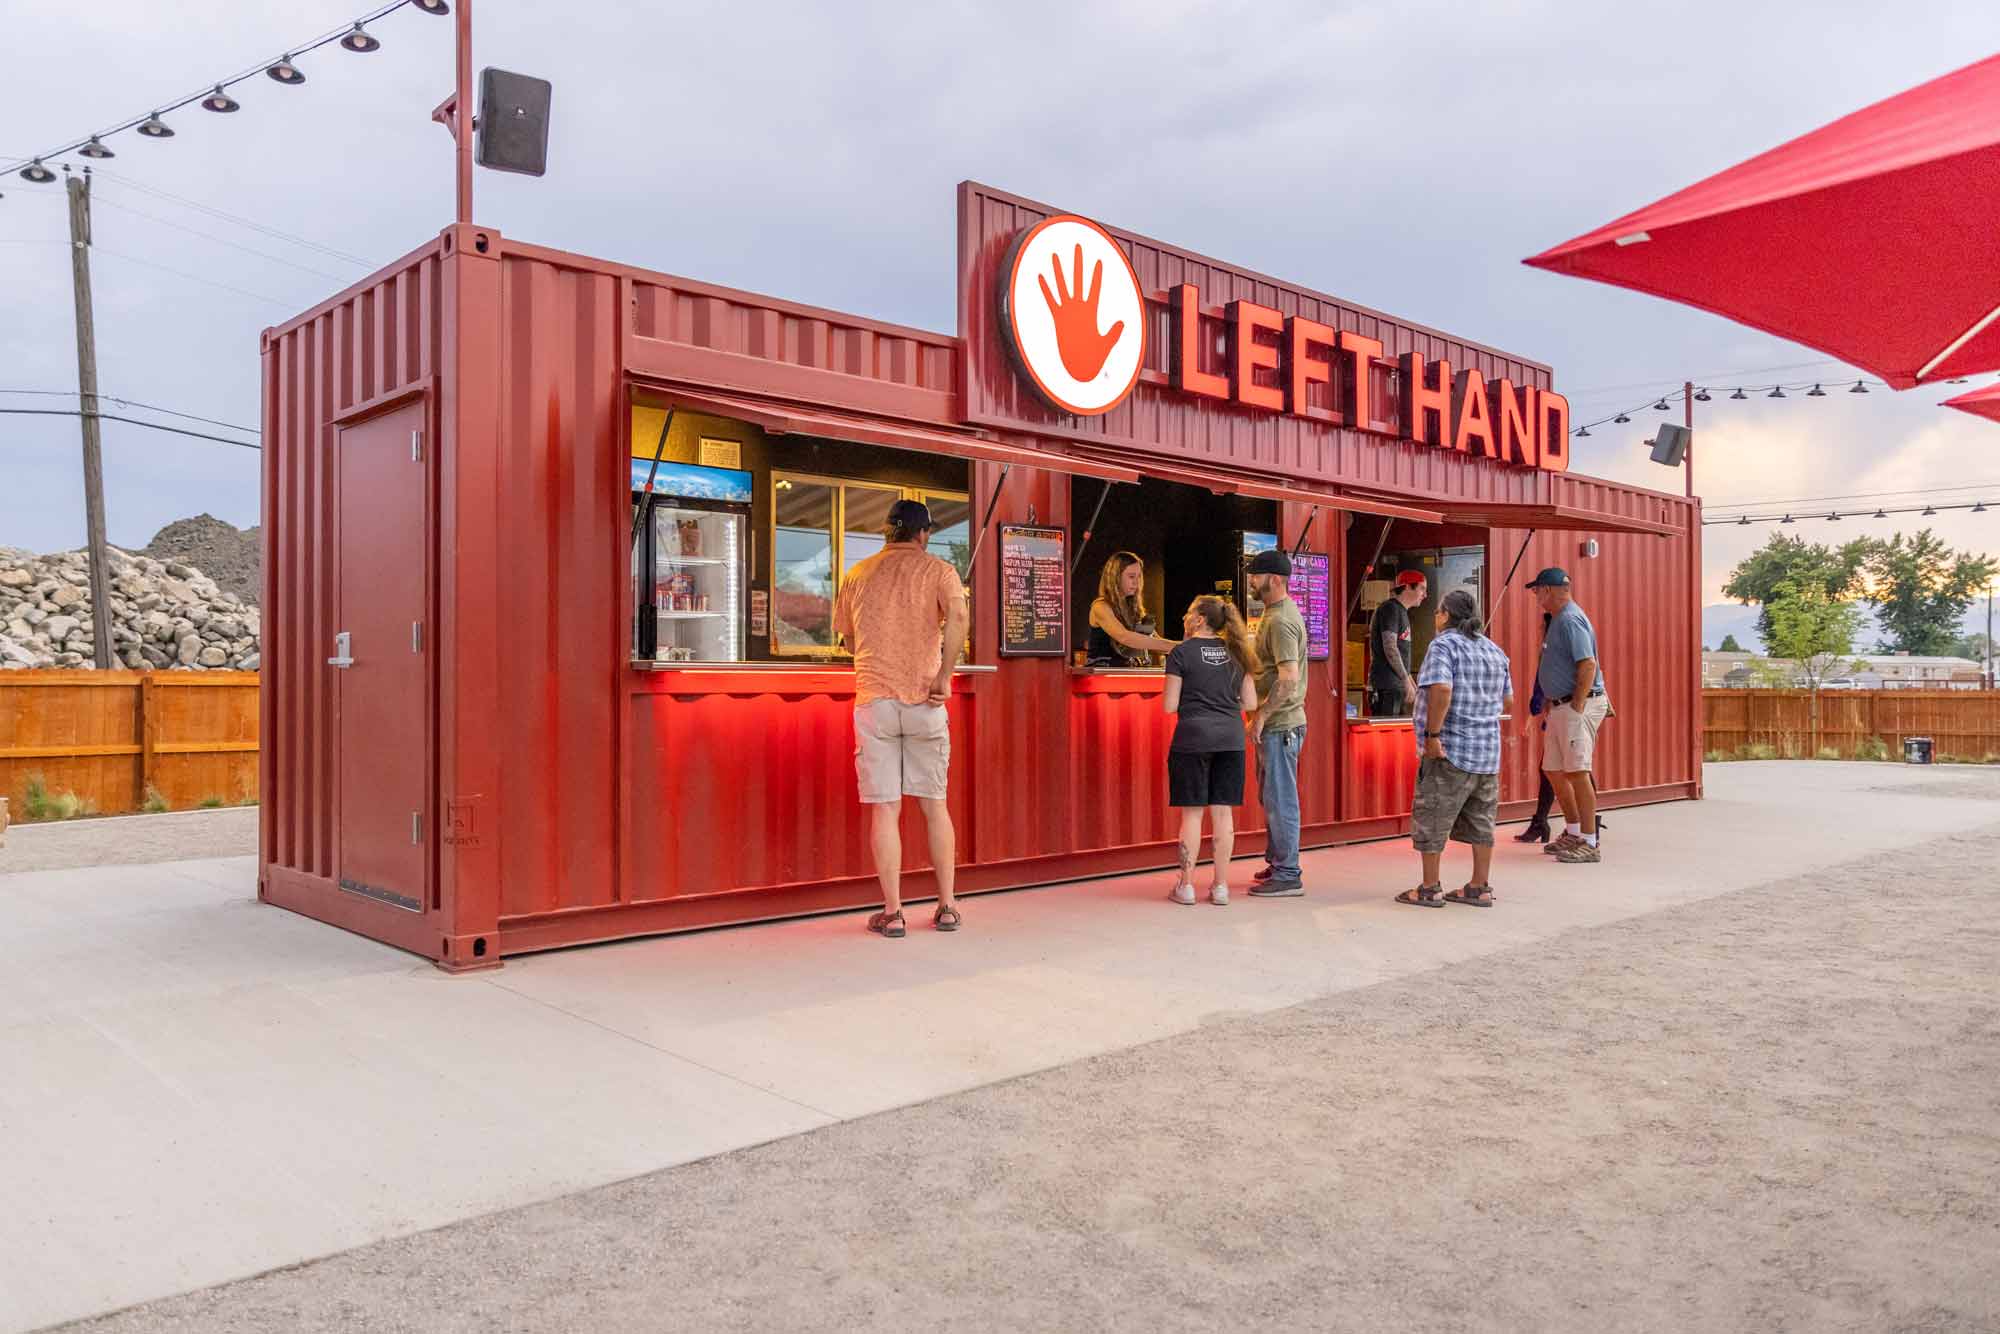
<point x="1033" y="593"/>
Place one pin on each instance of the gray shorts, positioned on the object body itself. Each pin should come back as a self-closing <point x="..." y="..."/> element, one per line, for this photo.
<point x="1453" y="804"/>
<point x="901" y="750"/>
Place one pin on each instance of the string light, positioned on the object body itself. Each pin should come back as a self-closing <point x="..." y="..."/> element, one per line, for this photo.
<point x="1817" y="392"/>
<point x="1777" y="391"/>
<point x="1835" y="516"/>
<point x="215" y="96"/>
<point x="1859" y="388"/>
<point x="1739" y="396"/>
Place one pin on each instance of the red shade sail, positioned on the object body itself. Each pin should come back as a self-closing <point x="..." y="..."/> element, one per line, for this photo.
<point x="1872" y="239"/>
<point x="1980" y="402"/>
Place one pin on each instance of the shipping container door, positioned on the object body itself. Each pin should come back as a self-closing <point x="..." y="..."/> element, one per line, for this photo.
<point x="379" y="655"/>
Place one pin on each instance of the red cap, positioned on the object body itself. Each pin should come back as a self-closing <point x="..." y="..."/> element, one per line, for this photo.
<point x="1410" y="577"/>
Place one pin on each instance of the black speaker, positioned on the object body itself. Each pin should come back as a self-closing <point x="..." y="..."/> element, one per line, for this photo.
<point x="513" y="133"/>
<point x="1670" y="446"/>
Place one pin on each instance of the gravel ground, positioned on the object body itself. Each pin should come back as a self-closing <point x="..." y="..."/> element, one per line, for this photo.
<point x="127" y="840"/>
<point x="1769" y="1111"/>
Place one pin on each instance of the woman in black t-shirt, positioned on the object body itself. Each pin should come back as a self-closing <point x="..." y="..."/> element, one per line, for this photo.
<point x="1211" y="684"/>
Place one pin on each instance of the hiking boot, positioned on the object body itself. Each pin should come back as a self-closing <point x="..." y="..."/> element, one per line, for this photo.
<point x="1578" y="851"/>
<point x="1561" y="841"/>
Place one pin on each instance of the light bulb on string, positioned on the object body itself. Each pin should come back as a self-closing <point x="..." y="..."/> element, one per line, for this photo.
<point x="1881" y="514"/>
<point x="1739" y="395"/>
<point x="1816" y="392"/>
<point x="1583" y="432"/>
<point x="1744" y="520"/>
<point x="220" y="101"/>
<point x="437" y="7"/>
<point x="1701" y="396"/>
<point x="282" y="70"/>
<point x="96" y="149"/>
<point x="37" y="173"/>
<point x="1777" y="391"/>
<point x="1621" y="417"/>
<point x="155" y="128"/>
<point x="1786" y="519"/>
<point x="1833" y="517"/>
<point x="361" y="41"/>
<point x="1928" y="511"/>
<point x="1661" y="405"/>
<point x="1979" y="508"/>
<point x="1859" y="388"/>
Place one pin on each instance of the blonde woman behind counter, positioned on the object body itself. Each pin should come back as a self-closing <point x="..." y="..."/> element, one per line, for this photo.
<point x="1121" y="632"/>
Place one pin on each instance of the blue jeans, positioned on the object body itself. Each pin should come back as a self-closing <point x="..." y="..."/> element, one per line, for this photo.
<point x="1278" y="784"/>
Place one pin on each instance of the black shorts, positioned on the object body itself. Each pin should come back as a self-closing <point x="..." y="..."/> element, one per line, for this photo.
<point x="1205" y="778"/>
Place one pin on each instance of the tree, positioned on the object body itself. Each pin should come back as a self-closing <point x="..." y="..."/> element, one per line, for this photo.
<point x="1971" y="646"/>
<point x="1835" y="571"/>
<point x="1813" y="629"/>
<point x="1921" y="589"/>
<point x="1729" y="644"/>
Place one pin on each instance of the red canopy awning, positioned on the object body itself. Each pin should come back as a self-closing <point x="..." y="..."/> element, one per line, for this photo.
<point x="1872" y="239"/>
<point x="1224" y="483"/>
<point x="1980" y="402"/>
<point x="780" y="420"/>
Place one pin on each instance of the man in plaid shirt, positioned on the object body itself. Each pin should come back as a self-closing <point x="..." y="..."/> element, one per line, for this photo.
<point x="1464" y="687"/>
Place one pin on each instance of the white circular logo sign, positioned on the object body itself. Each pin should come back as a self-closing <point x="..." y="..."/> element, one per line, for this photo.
<point x="1070" y="305"/>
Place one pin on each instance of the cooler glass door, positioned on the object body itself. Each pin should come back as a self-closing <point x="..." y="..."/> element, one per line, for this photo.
<point x="698" y="574"/>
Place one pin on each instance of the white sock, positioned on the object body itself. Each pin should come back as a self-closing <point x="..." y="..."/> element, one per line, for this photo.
<point x="1591" y="839"/>
<point x="1575" y="830"/>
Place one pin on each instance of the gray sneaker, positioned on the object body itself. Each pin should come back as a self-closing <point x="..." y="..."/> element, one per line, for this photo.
<point x="1275" y="888"/>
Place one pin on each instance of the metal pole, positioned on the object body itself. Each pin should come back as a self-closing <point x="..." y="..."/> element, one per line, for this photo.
<point x="1989" y="636"/>
<point x="972" y="561"/>
<point x="1687" y="420"/>
<point x="463" y="119"/>
<point x="86" y="386"/>
<point x="1083" y="543"/>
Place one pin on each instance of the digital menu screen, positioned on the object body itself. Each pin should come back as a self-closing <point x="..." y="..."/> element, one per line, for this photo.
<point x="1033" y="591"/>
<point x="1309" y="585"/>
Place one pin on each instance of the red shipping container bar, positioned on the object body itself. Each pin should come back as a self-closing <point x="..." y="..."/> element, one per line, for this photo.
<point x="477" y="769"/>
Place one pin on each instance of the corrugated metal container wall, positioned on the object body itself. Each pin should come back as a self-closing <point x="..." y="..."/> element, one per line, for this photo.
<point x="371" y="343"/>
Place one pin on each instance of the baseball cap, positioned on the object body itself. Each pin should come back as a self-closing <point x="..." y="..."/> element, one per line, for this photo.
<point x="1553" y="577"/>
<point x="1271" y="562"/>
<point x="911" y="514"/>
<point x="1410" y="577"/>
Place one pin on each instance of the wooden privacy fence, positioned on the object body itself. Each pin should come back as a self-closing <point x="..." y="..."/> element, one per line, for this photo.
<point x="109" y="736"/>
<point x="1962" y="724"/>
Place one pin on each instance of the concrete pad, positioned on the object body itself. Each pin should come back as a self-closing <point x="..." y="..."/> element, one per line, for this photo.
<point x="214" y="1087"/>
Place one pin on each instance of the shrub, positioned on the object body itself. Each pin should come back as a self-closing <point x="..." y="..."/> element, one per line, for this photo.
<point x="1759" y="751"/>
<point x="35" y="800"/>
<point x="155" y="801"/>
<point x="1871" y="748"/>
<point x="209" y="803"/>
<point x="1829" y="752"/>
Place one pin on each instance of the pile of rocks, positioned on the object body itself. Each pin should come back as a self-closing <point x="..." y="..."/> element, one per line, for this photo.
<point x="164" y="614"/>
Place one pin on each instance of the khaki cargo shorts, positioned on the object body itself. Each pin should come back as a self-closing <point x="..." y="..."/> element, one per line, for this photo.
<point x="1569" y="742"/>
<point x="901" y="750"/>
<point x="1454" y="804"/>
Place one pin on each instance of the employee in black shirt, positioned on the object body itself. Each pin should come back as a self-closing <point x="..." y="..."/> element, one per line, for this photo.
<point x="1392" y="691"/>
<point x="1211" y="684"/>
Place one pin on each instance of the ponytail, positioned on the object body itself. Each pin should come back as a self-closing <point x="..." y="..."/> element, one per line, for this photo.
<point x="1227" y="623"/>
<point x="1461" y="613"/>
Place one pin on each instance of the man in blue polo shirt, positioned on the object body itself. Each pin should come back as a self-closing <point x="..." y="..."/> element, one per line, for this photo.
<point x="1573" y="685"/>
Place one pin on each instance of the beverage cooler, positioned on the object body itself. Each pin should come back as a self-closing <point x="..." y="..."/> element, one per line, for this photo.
<point x="1244" y="547"/>
<point x="690" y="562"/>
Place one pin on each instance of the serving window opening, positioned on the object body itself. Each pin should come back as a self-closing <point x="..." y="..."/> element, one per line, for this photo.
<point x="744" y="537"/>
<point x="1189" y="541"/>
<point x="1449" y="557"/>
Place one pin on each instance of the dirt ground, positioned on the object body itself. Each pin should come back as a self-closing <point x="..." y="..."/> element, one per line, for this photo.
<point x="1771" y="1110"/>
<point x="130" y="840"/>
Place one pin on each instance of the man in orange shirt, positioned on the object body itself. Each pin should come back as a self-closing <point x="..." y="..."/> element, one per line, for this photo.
<point x="902" y="612"/>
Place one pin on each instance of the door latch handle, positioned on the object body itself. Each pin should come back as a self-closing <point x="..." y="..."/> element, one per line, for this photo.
<point x="343" y="651"/>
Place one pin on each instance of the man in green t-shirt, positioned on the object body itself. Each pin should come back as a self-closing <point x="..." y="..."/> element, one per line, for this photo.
<point x="1279" y="725"/>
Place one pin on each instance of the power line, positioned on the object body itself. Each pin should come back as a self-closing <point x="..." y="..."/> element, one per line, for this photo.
<point x="220" y="240"/>
<point x="132" y="421"/>
<point x="196" y="278"/>
<point x="131" y="403"/>
<point x="123" y="182"/>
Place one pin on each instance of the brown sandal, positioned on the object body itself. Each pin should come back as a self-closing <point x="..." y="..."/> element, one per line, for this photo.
<point x="888" y="924"/>
<point x="946" y="919"/>
<point x="1471" y="898"/>
<point x="1423" y="896"/>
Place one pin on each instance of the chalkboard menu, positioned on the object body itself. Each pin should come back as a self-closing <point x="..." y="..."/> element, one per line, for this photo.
<point x="1309" y="586"/>
<point x="1034" y="602"/>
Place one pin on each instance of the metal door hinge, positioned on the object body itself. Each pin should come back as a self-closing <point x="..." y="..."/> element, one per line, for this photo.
<point x="416" y="636"/>
<point x="416" y="446"/>
<point x="416" y="827"/>
<point x="343" y="651"/>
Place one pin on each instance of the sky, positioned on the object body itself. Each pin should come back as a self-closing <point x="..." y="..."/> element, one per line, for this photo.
<point x="1402" y="155"/>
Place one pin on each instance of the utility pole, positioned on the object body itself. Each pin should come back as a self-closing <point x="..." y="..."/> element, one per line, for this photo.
<point x="86" y="386"/>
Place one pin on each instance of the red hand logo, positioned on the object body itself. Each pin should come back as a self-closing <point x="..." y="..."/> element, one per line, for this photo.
<point x="1083" y="349"/>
